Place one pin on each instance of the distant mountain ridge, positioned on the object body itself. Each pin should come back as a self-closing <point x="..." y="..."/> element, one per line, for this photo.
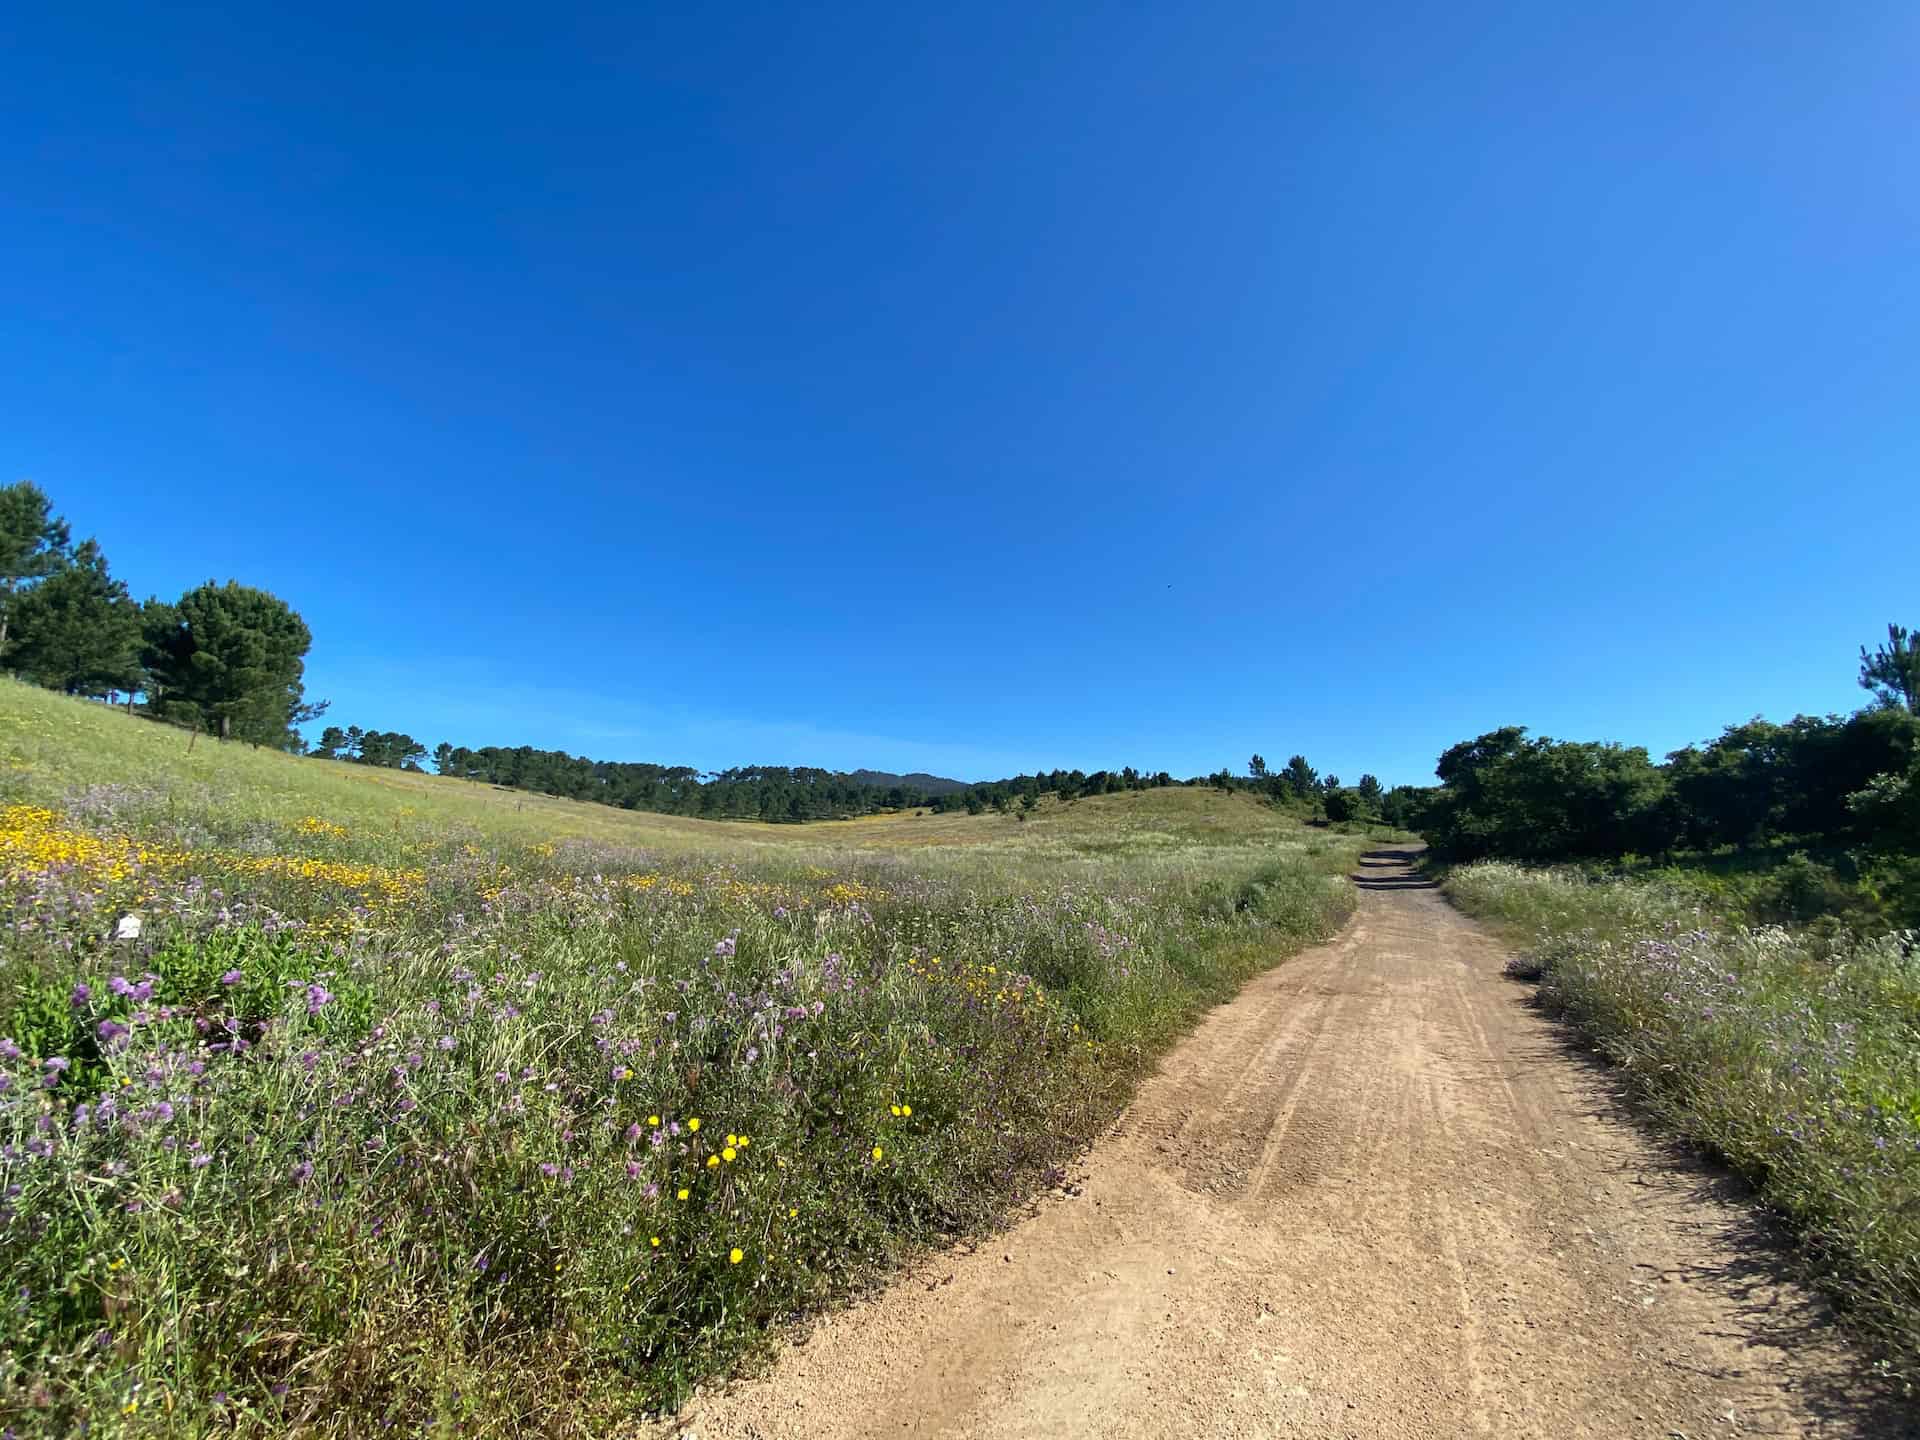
<point x="926" y="784"/>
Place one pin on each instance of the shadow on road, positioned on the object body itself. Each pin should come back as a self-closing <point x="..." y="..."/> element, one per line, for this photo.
<point x="1388" y="870"/>
<point x="1770" y="1281"/>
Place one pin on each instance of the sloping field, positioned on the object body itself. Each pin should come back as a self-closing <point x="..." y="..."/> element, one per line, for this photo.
<point x="338" y="1098"/>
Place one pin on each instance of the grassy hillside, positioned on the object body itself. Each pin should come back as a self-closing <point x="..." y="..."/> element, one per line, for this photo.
<point x="51" y="746"/>
<point x="413" y="1101"/>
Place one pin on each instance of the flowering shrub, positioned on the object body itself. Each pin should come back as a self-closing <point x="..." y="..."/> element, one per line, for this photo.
<point x="305" y="1128"/>
<point x="1794" y="1054"/>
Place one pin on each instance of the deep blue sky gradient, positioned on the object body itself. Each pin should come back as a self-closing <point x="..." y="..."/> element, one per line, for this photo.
<point x="991" y="387"/>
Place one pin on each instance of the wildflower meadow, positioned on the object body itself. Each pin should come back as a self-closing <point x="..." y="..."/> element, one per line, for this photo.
<point x="335" y="1103"/>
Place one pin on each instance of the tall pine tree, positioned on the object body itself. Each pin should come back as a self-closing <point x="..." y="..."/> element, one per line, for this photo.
<point x="78" y="630"/>
<point x="234" y="663"/>
<point x="33" y="545"/>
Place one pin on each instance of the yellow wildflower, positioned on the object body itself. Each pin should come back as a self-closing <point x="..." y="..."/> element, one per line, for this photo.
<point x="712" y="1160"/>
<point x="729" y="1154"/>
<point x="683" y="1193"/>
<point x="653" y="1119"/>
<point x="878" y="1153"/>
<point x="656" y="1242"/>
<point x="694" y="1123"/>
<point x="736" y="1255"/>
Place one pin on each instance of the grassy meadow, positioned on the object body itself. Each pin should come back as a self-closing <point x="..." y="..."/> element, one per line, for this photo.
<point x="341" y="1101"/>
<point x="1792" y="1052"/>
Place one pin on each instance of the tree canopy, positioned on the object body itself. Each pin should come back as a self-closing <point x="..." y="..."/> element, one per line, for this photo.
<point x="1834" y="782"/>
<point x="33" y="545"/>
<point x="78" y="630"/>
<point x="233" y="662"/>
<point x="1892" y="671"/>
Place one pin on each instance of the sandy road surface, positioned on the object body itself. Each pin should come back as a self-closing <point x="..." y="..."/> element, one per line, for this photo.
<point x="1373" y="1196"/>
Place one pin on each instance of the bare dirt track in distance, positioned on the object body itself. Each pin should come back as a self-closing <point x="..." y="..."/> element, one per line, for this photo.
<point x="1375" y="1195"/>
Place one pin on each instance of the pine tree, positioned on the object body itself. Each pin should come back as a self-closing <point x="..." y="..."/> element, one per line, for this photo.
<point x="1892" y="671"/>
<point x="1301" y="777"/>
<point x="78" y="630"/>
<point x="33" y="545"/>
<point x="234" y="662"/>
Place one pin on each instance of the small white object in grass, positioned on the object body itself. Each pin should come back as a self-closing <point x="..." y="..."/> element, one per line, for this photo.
<point x="127" y="927"/>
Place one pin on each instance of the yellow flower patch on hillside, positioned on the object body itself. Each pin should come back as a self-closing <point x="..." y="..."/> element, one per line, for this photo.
<point x="33" y="839"/>
<point x="376" y="881"/>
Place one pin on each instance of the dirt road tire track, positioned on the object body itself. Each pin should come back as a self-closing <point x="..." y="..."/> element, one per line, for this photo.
<point x="1375" y="1195"/>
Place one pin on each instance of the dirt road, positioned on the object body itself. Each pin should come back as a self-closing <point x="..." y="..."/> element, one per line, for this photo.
<point x="1373" y="1196"/>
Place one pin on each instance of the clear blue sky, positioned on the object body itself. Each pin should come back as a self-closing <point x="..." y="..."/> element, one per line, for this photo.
<point x="985" y="387"/>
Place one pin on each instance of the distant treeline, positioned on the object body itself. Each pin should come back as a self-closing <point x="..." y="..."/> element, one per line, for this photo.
<point x="750" y="792"/>
<point x="1301" y="788"/>
<point x="783" y="793"/>
<point x="1845" y="789"/>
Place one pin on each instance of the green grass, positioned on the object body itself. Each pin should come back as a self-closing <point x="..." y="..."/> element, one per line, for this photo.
<point x="1794" y="1054"/>
<point x="378" y="1119"/>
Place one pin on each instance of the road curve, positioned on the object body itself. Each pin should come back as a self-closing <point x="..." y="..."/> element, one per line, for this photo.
<point x="1375" y="1195"/>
